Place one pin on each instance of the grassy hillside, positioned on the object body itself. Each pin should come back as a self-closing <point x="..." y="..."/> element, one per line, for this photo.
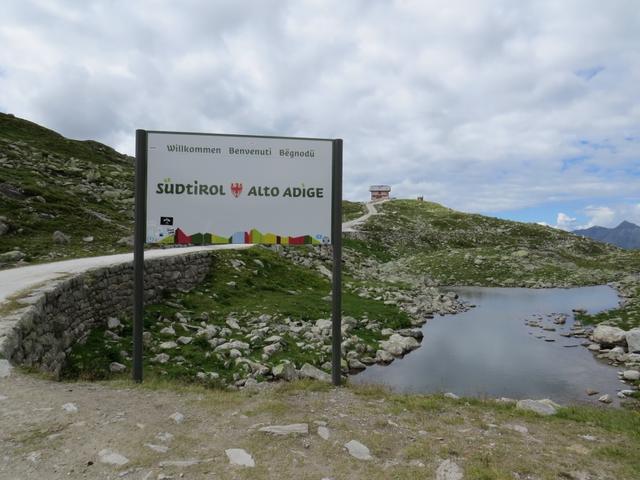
<point x="83" y="189"/>
<point x="49" y="183"/>
<point x="451" y="247"/>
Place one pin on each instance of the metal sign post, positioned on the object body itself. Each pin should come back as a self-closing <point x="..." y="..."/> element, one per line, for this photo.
<point x="250" y="190"/>
<point x="138" y="251"/>
<point x="336" y="289"/>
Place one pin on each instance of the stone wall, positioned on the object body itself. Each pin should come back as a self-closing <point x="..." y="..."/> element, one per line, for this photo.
<point x="65" y="312"/>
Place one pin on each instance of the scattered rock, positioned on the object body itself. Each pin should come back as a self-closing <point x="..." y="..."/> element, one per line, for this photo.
<point x="632" y="375"/>
<point x="449" y="470"/>
<point x="115" y="367"/>
<point x="536" y="406"/>
<point x="177" y="417"/>
<point x="168" y="345"/>
<point x="309" y="371"/>
<point x="238" y="456"/>
<point x="285" y="371"/>
<point x="185" y="340"/>
<point x="5" y="368"/>
<point x="323" y="432"/>
<point x="157" y="448"/>
<point x="110" y="457"/>
<point x="11" y="257"/>
<point x="232" y="323"/>
<point x="164" y="437"/>
<point x="87" y="239"/>
<point x="60" y="238"/>
<point x="70" y="408"/>
<point x="293" y="429"/>
<point x="452" y="396"/>
<point x="358" y="450"/>
<point x="113" y="323"/>
<point x="517" y="428"/>
<point x="576" y="447"/>
<point x="126" y="241"/>
<point x="161" y="358"/>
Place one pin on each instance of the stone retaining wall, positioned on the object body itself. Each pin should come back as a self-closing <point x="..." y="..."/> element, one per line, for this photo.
<point x="64" y="312"/>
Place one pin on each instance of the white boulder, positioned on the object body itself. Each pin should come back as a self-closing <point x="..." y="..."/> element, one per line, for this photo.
<point x="607" y="335"/>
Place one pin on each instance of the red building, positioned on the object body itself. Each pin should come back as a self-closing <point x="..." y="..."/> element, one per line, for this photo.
<point x="379" y="192"/>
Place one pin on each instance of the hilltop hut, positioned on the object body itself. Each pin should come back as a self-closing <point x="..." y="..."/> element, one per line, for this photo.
<point x="380" y="192"/>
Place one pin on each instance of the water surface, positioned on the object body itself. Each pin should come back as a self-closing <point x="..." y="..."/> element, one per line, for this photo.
<point x="489" y="351"/>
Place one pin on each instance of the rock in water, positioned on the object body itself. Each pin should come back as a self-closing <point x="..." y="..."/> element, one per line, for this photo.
<point x="633" y="340"/>
<point x="536" y="406"/>
<point x="449" y="470"/>
<point x="606" y="335"/>
<point x="382" y="356"/>
<point x="293" y="429"/>
<point x="605" y="398"/>
<point x="358" y="450"/>
<point x="631" y="375"/>
<point x="238" y="456"/>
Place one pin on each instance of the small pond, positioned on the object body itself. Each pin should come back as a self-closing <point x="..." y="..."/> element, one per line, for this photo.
<point x="491" y="351"/>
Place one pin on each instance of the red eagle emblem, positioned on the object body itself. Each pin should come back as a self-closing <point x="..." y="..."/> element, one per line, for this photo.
<point x="236" y="189"/>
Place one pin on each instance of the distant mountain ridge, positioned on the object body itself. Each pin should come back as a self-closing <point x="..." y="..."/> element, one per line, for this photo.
<point x="626" y="235"/>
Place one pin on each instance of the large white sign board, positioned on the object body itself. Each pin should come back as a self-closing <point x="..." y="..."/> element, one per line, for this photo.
<point x="238" y="189"/>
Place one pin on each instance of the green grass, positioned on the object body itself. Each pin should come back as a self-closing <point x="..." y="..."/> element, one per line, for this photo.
<point x="352" y="210"/>
<point x="625" y="317"/>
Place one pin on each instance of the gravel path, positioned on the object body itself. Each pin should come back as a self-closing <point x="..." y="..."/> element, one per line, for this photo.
<point x="15" y="280"/>
<point x="351" y="225"/>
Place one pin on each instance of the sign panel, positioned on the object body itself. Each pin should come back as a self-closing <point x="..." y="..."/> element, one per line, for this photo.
<point x="216" y="189"/>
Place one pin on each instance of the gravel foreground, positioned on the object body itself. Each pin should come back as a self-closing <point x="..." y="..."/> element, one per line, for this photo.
<point x="301" y="430"/>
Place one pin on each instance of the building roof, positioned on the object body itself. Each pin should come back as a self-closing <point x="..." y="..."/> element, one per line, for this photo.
<point x="379" y="188"/>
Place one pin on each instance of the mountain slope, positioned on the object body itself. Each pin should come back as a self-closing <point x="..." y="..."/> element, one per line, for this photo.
<point x="625" y="235"/>
<point x="453" y="248"/>
<point x="49" y="183"/>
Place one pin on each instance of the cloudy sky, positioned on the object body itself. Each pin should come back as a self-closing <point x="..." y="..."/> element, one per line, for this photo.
<point x="528" y="110"/>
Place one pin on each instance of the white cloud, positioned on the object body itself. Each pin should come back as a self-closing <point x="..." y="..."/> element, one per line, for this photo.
<point x="604" y="216"/>
<point x="565" y="222"/>
<point x="479" y="104"/>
